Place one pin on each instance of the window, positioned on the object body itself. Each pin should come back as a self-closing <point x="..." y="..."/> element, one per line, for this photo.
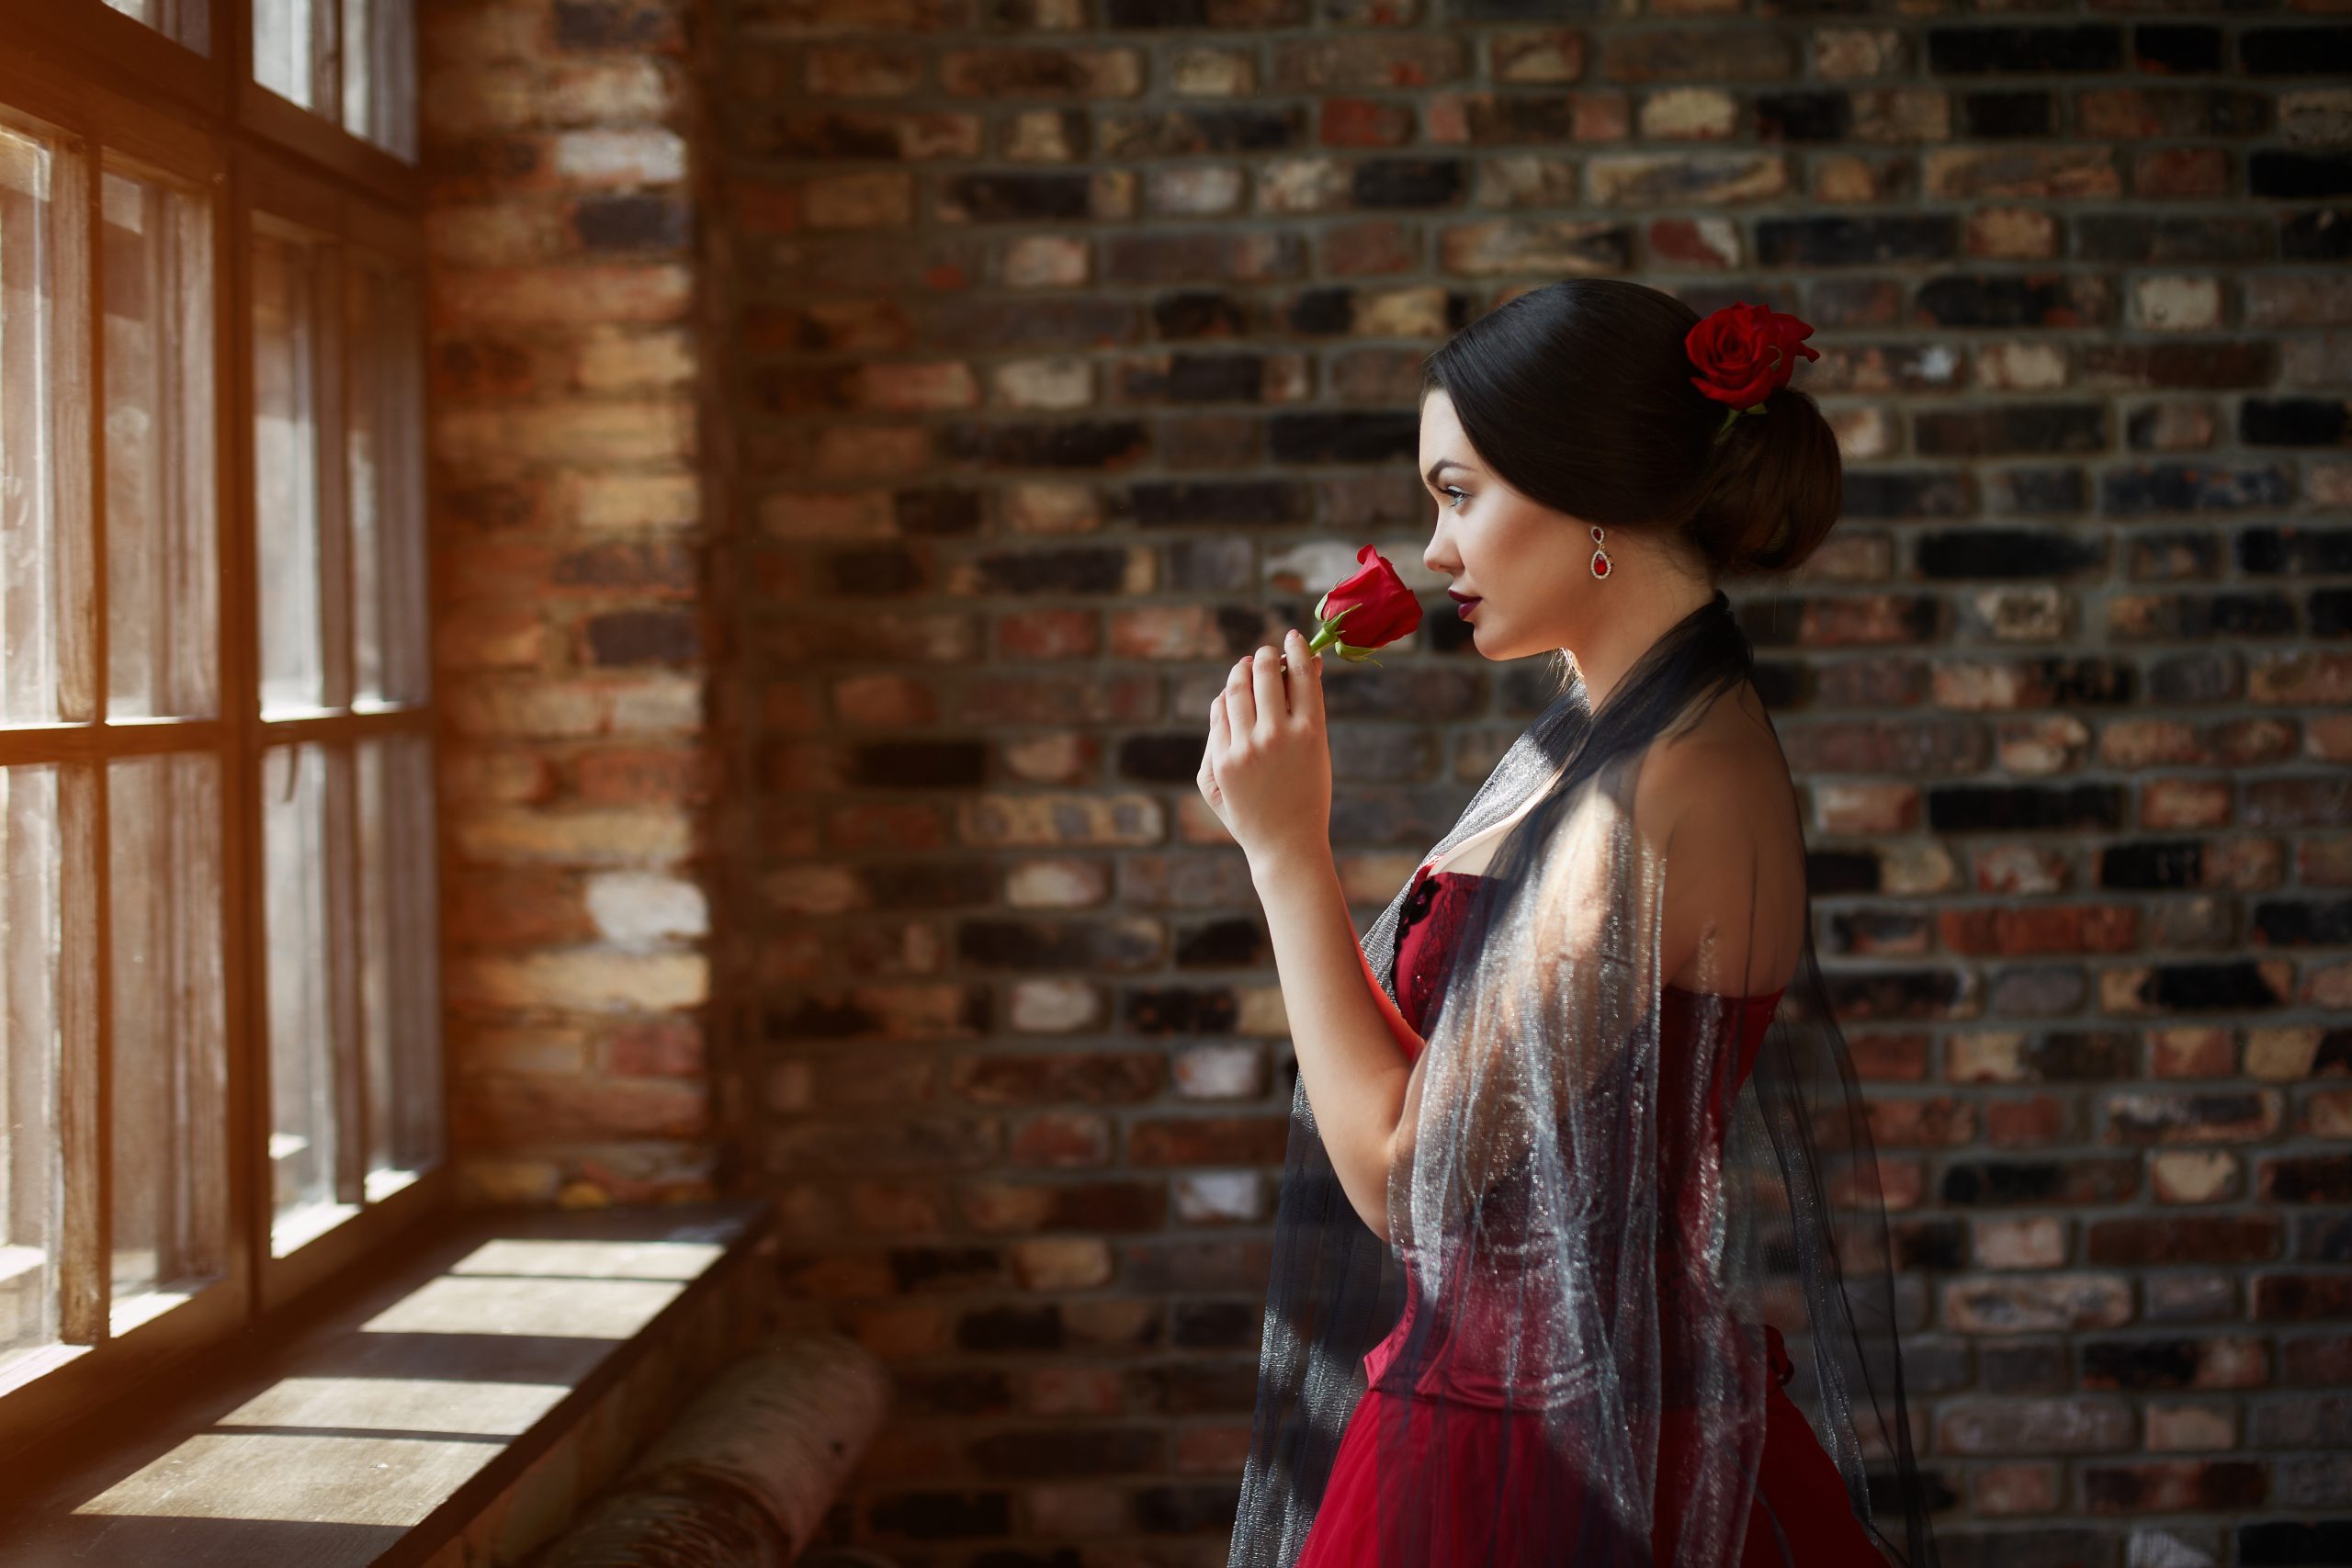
<point x="184" y="20"/>
<point x="219" y="1003"/>
<point x="297" y="46"/>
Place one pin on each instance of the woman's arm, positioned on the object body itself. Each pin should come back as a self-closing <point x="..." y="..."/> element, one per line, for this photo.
<point x="1350" y="1040"/>
<point x="1267" y="774"/>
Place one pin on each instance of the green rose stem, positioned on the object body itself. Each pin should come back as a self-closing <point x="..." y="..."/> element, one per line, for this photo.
<point x="1732" y="414"/>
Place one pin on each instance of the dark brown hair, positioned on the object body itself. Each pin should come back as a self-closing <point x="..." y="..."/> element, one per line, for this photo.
<point x="1579" y="396"/>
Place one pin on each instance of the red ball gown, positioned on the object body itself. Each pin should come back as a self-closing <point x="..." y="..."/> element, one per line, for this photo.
<point x="1452" y="1448"/>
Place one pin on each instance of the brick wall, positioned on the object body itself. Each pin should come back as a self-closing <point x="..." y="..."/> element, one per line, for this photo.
<point x="575" y="616"/>
<point x="1068" y="348"/>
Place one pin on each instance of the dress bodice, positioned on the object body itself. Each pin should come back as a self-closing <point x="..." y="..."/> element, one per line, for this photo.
<point x="1431" y="915"/>
<point x="1707" y="1043"/>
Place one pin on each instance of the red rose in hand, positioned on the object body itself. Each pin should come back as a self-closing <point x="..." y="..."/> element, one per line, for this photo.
<point x="1743" y="351"/>
<point x="1371" y="609"/>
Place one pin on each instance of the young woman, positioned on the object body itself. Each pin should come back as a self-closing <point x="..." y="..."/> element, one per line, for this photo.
<point x="1577" y="1182"/>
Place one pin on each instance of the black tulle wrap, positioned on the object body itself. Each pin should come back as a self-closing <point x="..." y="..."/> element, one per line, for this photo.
<point x="1587" y="1233"/>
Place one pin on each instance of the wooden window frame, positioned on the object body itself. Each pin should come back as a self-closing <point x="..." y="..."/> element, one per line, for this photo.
<point x="119" y="96"/>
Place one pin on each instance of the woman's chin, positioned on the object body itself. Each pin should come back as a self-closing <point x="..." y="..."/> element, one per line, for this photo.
<point x="1498" y="648"/>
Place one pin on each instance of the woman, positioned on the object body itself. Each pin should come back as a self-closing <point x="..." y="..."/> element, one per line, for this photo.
<point x="1578" y="1183"/>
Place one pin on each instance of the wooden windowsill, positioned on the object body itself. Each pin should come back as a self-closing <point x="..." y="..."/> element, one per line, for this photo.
<point x="379" y="1431"/>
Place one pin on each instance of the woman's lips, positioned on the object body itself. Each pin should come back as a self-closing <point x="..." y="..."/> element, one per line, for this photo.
<point x="1464" y="603"/>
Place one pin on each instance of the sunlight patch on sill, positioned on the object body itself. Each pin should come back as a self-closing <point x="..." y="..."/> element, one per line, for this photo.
<point x="382" y="1184"/>
<point x="304" y="1479"/>
<point x="400" y="1405"/>
<point x="298" y="1227"/>
<point x="527" y="1258"/>
<point x="552" y="1309"/>
<point x="20" y="1366"/>
<point x="127" y="1313"/>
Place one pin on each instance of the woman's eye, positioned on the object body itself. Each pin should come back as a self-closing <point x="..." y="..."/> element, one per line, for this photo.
<point x="1452" y="494"/>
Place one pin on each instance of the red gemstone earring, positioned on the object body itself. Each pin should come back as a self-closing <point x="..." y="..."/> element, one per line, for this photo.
<point x="1600" y="556"/>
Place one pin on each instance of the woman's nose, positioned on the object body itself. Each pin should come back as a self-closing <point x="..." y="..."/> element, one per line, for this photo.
<point x="1434" y="556"/>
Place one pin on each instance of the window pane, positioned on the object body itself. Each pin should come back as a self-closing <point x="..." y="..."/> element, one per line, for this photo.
<point x="379" y="72"/>
<point x="32" y="606"/>
<point x="31" y="932"/>
<point x="301" y="952"/>
<point x="286" y="458"/>
<point x="398" y="970"/>
<point x="293" y="53"/>
<point x="169" y="1071"/>
<point x="187" y="20"/>
<point x="384" y="456"/>
<point x="162" y="571"/>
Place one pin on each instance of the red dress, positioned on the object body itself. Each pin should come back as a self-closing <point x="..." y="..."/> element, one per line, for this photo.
<point x="1452" y="1450"/>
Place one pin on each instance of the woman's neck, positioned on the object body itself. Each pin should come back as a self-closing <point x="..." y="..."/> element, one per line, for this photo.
<point x="1632" y="626"/>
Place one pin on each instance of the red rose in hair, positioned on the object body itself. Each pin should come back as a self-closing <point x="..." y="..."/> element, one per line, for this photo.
<point x="1376" y="605"/>
<point x="1743" y="351"/>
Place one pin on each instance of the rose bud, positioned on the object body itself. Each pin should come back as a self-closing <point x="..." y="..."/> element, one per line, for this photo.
<point x="1375" y="605"/>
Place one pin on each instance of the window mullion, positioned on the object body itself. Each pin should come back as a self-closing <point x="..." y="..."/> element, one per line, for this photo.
<point x="89" y="1280"/>
<point x="348" y="1051"/>
<point x="331" y="280"/>
<point x="72" y="233"/>
<point x="76" y="441"/>
<point x="250" y="1165"/>
<point x="347" y="1016"/>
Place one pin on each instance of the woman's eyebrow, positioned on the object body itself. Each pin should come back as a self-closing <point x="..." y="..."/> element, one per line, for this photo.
<point x="1441" y="466"/>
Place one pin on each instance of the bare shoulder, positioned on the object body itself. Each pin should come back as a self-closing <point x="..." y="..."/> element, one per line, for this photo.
<point x="1728" y="764"/>
<point x="1718" y="799"/>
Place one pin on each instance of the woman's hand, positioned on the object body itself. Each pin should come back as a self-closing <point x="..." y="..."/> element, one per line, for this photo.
<point x="1266" y="772"/>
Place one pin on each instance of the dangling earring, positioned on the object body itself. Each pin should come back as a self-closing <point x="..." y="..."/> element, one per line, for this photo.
<point x="1600" y="556"/>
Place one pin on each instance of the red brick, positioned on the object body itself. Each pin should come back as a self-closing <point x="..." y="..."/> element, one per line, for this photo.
<point x="1050" y="633"/>
<point x="2023" y="1123"/>
<point x="518" y="908"/>
<point x="2039" y="928"/>
<point x="2212" y="1239"/>
<point x="575" y="295"/>
<point x="1366" y="61"/>
<point x="2009" y="1490"/>
<point x="863" y="72"/>
<point x="645" y="777"/>
<point x="1365" y="122"/>
<point x="1041" y="72"/>
<point x="670" y="1048"/>
<point x="1209" y="1140"/>
<point x="2175" y="173"/>
<point x="505" y="1111"/>
<point x="1062" y="1139"/>
<point x="876" y="824"/>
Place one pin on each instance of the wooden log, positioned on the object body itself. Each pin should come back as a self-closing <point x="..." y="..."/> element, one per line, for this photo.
<point x="744" y="1475"/>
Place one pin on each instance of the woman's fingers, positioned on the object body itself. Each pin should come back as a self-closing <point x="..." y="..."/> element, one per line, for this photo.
<point x="1240" y="700"/>
<point x="1303" y="675"/>
<point x="1266" y="678"/>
